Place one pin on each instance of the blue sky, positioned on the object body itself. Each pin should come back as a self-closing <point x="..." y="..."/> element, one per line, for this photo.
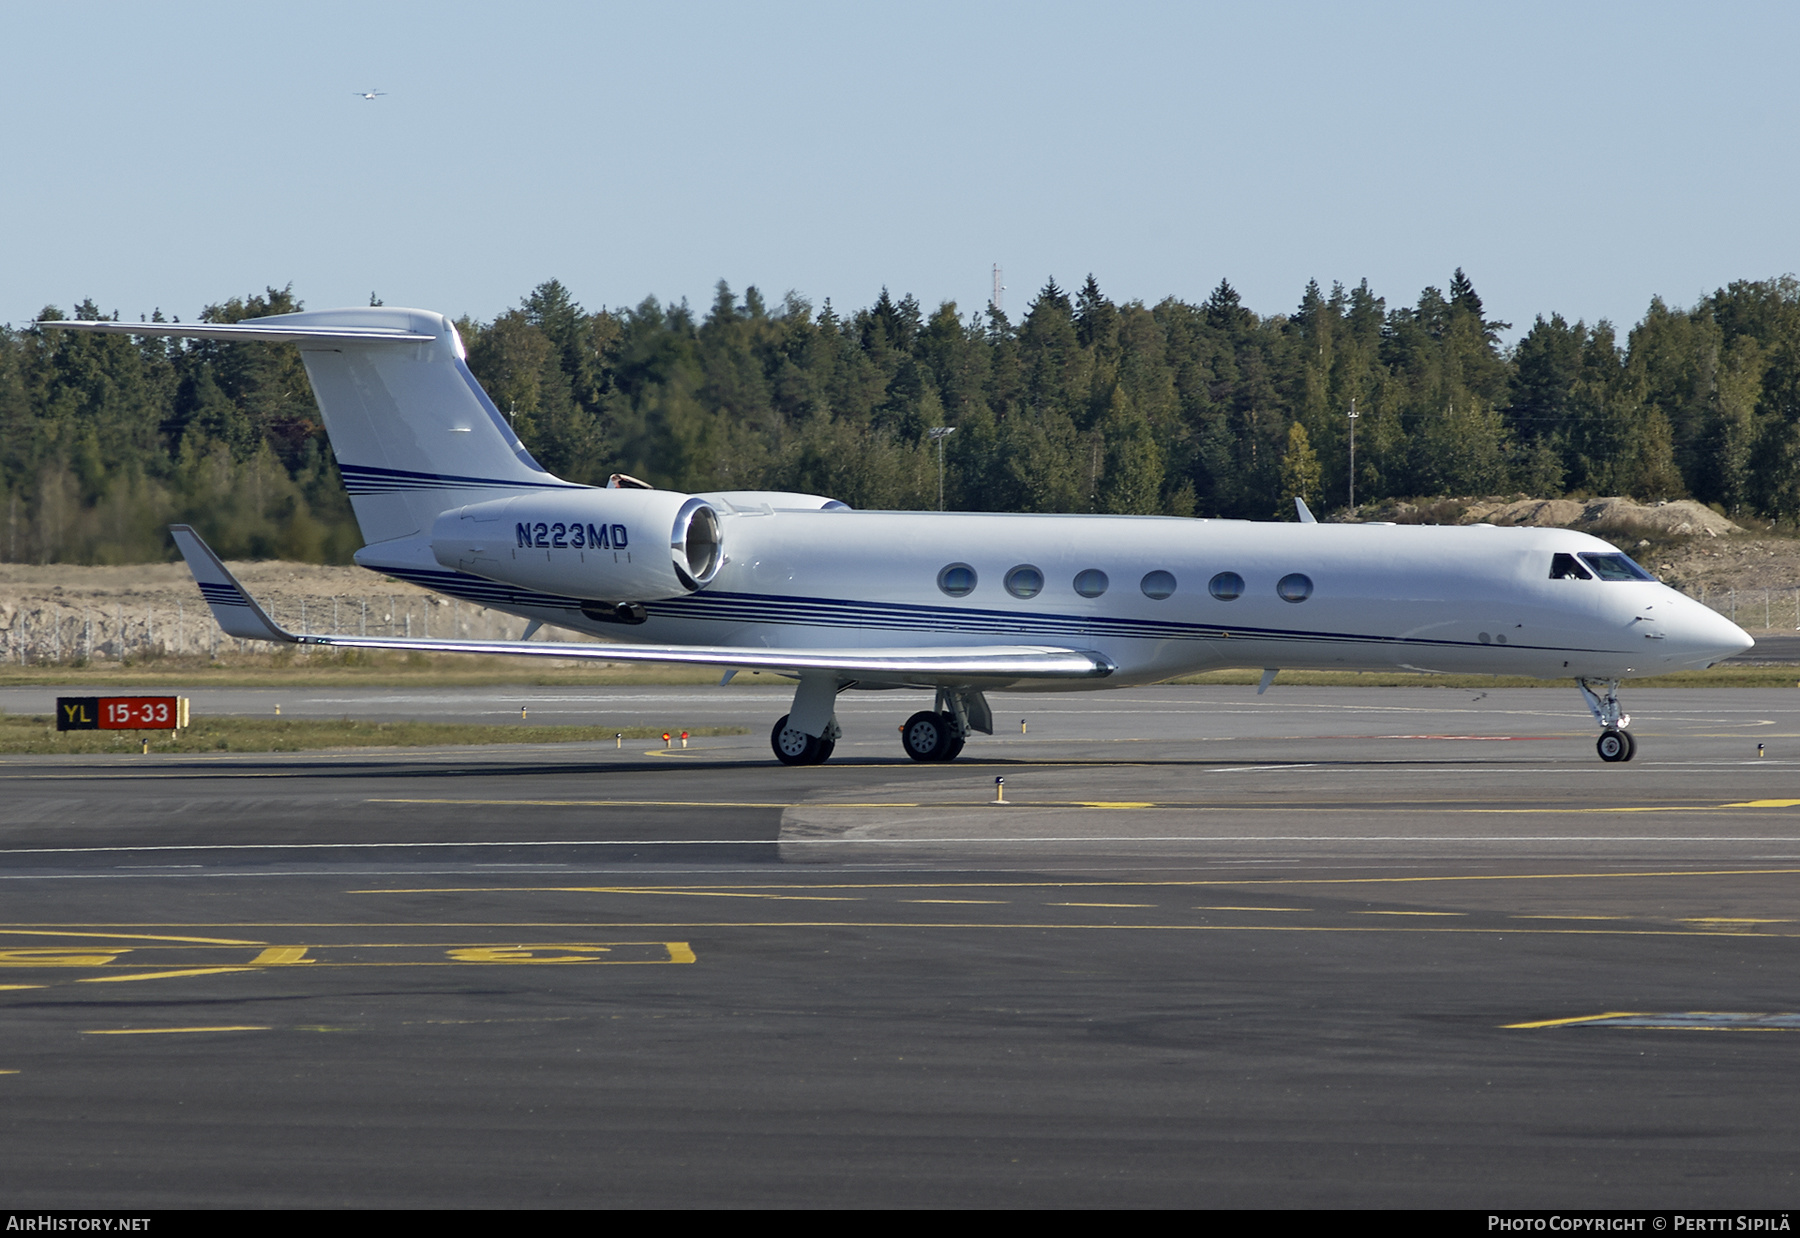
<point x="1576" y="158"/>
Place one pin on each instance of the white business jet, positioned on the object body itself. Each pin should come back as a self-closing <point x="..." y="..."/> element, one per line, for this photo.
<point x="447" y="497"/>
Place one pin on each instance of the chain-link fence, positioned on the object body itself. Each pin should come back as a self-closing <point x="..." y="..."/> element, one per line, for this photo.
<point x="1755" y="610"/>
<point x="48" y="631"/>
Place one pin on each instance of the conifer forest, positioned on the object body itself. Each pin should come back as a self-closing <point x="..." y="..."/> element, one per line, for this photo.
<point x="1081" y="405"/>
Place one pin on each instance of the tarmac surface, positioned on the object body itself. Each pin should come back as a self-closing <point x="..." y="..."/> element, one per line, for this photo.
<point x="1390" y="948"/>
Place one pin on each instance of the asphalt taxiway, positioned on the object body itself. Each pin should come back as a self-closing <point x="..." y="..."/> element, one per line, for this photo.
<point x="1322" y="947"/>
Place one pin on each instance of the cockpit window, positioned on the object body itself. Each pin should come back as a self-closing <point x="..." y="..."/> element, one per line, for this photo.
<point x="1616" y="567"/>
<point x="1564" y="567"/>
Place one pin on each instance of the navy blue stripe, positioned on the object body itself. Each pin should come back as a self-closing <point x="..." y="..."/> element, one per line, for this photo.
<point x="370" y="479"/>
<point x="222" y="595"/>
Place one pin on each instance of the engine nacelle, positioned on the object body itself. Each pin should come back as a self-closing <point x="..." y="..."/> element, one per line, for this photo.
<point x="614" y="545"/>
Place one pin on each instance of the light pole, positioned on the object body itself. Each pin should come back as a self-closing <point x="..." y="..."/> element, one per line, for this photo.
<point x="1352" y="456"/>
<point x="938" y="435"/>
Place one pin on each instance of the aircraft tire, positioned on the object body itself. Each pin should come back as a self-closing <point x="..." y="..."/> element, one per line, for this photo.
<point x="1630" y="744"/>
<point x="796" y="747"/>
<point x="928" y="736"/>
<point x="957" y="739"/>
<point x="1613" y="746"/>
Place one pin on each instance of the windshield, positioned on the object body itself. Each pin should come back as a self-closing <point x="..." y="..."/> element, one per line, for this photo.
<point x="1615" y="567"/>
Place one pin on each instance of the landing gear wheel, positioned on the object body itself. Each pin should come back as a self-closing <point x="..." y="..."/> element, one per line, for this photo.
<point x="795" y="747"/>
<point x="1614" y="746"/>
<point x="956" y="743"/>
<point x="930" y="737"/>
<point x="1630" y="744"/>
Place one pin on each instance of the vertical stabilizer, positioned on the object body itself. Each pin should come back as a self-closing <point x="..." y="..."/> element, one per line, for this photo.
<point x="413" y="432"/>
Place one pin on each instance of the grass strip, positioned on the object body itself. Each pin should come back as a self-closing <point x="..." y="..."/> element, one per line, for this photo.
<point x="36" y="734"/>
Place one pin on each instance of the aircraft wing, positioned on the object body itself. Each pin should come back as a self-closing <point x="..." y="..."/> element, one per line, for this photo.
<point x="239" y="615"/>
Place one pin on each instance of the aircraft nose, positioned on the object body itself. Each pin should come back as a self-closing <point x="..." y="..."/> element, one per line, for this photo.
<point x="1706" y="637"/>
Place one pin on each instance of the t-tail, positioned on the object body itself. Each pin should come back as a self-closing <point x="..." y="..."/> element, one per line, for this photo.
<point x="413" y="432"/>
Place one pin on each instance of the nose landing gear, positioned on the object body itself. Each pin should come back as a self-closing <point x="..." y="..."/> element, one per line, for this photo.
<point x="1615" y="742"/>
<point x="1616" y="746"/>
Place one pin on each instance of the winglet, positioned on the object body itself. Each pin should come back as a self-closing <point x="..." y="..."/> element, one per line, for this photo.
<point x="235" y="610"/>
<point x="1303" y="511"/>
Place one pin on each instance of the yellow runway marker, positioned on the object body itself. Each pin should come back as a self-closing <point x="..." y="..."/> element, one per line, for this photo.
<point x="1676" y="1021"/>
<point x="1586" y="1018"/>
<point x="1729" y="920"/>
<point x="167" y="1031"/>
<point x="164" y="975"/>
<point x="1411" y="913"/>
<point x="4" y="987"/>
<point x="50" y="956"/>
<point x="46" y="931"/>
<point x="281" y="956"/>
<point x="1111" y="804"/>
<point x="995" y="901"/>
<point x="1763" y="804"/>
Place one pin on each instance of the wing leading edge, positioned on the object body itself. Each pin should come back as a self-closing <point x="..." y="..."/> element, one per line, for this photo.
<point x="239" y="615"/>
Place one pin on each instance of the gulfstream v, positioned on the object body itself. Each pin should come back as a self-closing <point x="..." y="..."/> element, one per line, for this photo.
<point x="965" y="604"/>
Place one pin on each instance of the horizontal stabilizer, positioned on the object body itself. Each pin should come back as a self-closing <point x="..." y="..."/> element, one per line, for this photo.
<point x="240" y="616"/>
<point x="249" y="332"/>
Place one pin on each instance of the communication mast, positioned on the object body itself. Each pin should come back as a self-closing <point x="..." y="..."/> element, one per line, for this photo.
<point x="998" y="300"/>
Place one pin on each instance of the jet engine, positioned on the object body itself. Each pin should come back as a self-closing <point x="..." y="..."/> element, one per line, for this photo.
<point x="617" y="545"/>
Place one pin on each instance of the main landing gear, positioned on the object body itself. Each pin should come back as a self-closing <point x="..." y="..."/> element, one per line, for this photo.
<point x="808" y="733"/>
<point x="938" y="734"/>
<point x="1615" y="742"/>
<point x="930" y="736"/>
<point x="795" y="747"/>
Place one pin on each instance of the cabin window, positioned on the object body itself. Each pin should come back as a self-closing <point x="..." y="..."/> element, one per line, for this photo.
<point x="1294" y="587"/>
<point x="1157" y="585"/>
<point x="1565" y="567"/>
<point x="1091" y="583"/>
<point x="957" y="580"/>
<point x="1024" y="581"/>
<point x="1226" y="586"/>
<point x="1615" y="567"/>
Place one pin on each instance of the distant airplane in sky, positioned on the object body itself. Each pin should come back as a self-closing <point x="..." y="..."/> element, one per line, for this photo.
<point x="370" y="94"/>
